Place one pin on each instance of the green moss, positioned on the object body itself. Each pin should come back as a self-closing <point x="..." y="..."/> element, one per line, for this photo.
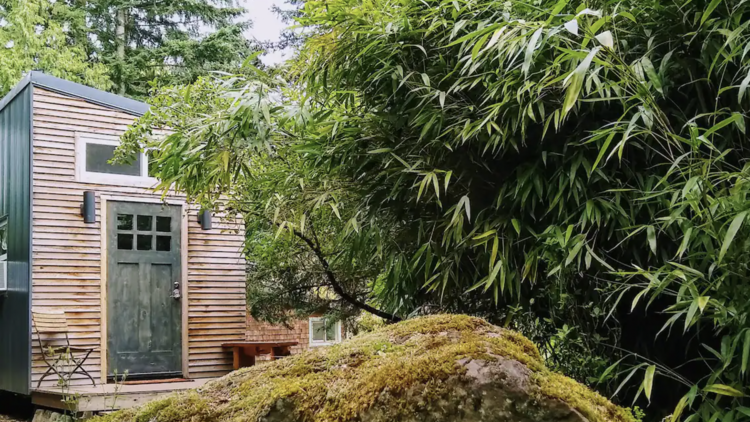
<point x="343" y="382"/>
<point x="590" y="403"/>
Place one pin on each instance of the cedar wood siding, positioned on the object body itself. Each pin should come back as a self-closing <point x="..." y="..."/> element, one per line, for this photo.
<point x="15" y="201"/>
<point x="263" y="331"/>
<point x="67" y="252"/>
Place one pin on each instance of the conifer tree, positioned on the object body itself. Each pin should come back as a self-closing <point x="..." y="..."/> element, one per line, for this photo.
<point x="170" y="41"/>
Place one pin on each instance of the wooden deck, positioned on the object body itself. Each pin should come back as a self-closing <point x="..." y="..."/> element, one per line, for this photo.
<point x="108" y="397"/>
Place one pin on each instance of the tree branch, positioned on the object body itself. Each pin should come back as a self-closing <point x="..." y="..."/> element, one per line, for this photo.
<point x="337" y="287"/>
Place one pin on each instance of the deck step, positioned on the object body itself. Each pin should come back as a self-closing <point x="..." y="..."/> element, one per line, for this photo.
<point x="104" y="398"/>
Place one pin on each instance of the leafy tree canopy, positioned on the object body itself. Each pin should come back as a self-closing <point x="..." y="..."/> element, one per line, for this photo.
<point x="47" y="36"/>
<point x="577" y="171"/>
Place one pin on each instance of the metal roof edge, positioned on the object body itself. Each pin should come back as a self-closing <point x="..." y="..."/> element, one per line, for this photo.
<point x="93" y="95"/>
<point x="73" y="89"/>
<point x="15" y="91"/>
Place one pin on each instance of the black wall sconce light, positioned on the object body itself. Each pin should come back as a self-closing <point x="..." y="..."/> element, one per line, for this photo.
<point x="88" y="208"/>
<point x="204" y="217"/>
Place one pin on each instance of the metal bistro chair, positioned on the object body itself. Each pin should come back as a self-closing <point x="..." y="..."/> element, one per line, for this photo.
<point x="52" y="331"/>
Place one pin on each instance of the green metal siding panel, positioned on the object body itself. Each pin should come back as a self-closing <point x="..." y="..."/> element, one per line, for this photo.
<point x="15" y="201"/>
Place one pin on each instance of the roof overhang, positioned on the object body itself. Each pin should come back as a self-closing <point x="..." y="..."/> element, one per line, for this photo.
<point x="87" y="93"/>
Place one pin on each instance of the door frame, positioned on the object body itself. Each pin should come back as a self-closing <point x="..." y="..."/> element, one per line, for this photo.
<point x="184" y="211"/>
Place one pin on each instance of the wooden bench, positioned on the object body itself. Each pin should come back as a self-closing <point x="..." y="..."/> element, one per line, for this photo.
<point x="244" y="352"/>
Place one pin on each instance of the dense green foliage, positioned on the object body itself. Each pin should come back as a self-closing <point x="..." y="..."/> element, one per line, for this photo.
<point x="577" y="171"/>
<point x="46" y="36"/>
<point x="121" y="45"/>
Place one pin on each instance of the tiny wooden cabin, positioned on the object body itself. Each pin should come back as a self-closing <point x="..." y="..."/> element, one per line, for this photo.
<point x="139" y="278"/>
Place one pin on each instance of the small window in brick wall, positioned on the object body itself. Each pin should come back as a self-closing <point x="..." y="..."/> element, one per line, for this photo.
<point x="324" y="331"/>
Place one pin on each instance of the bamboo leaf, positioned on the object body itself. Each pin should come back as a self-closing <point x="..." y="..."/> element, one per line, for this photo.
<point x="485" y="234"/>
<point x="638" y="298"/>
<point x="726" y="122"/>
<point x="702" y="302"/>
<point x="648" y="67"/>
<point x="691" y="314"/>
<point x="466" y="205"/>
<point x="627" y="378"/>
<point x="603" y="150"/>
<point x="335" y="210"/>
<point x="557" y="9"/>
<point x="739" y="121"/>
<point x="743" y="86"/>
<point x="574" y="81"/>
<point x="709" y="10"/>
<point x="651" y="235"/>
<point x="648" y="381"/>
<point x="495" y="38"/>
<point x="679" y="409"/>
<point x="530" y="51"/>
<point x="516" y="225"/>
<point x="685" y="241"/>
<point x="574" y="252"/>
<point x="734" y="227"/>
<point x="723" y="390"/>
<point x="478" y="46"/>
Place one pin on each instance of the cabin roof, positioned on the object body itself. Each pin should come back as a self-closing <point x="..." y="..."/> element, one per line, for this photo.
<point x="62" y="86"/>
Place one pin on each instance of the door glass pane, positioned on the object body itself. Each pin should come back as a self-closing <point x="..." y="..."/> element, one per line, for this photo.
<point x="124" y="222"/>
<point x="164" y="243"/>
<point x="164" y="224"/>
<point x="319" y="330"/>
<point x="125" y="241"/>
<point x="145" y="223"/>
<point x="144" y="242"/>
<point x="97" y="161"/>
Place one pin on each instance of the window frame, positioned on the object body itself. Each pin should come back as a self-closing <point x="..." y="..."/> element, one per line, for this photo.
<point x="83" y="139"/>
<point x="318" y="343"/>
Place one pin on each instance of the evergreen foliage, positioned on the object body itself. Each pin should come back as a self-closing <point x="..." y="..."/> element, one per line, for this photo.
<point x="170" y="42"/>
<point x="126" y="46"/>
<point x="47" y="36"/>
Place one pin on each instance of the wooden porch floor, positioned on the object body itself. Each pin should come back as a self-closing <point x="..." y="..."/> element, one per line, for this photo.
<point x="108" y="397"/>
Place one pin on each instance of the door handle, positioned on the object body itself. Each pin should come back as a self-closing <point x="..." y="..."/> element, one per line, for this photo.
<point x="176" y="295"/>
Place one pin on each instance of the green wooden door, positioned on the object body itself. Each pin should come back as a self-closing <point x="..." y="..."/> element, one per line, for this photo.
<point x="143" y="290"/>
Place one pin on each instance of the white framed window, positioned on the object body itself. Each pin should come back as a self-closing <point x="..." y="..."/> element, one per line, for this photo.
<point x="3" y="238"/>
<point x="93" y="153"/>
<point x="3" y="253"/>
<point x="324" y="331"/>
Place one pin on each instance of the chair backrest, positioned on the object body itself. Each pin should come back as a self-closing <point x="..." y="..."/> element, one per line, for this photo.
<point x="50" y="322"/>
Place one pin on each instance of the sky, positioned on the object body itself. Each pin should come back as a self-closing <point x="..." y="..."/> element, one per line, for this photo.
<point x="266" y="27"/>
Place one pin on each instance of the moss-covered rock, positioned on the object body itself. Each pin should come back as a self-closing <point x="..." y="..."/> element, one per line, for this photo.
<point x="437" y="368"/>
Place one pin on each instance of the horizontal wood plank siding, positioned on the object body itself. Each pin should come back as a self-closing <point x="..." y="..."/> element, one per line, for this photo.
<point x="67" y="253"/>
